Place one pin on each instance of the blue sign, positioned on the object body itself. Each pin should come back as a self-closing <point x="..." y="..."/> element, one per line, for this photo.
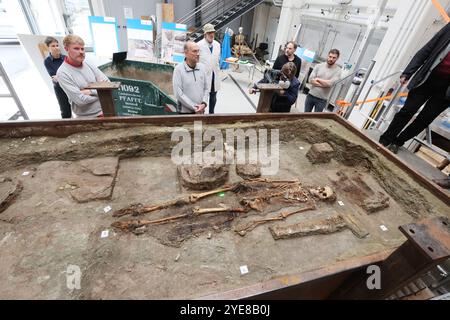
<point x="305" y="54"/>
<point x="104" y="35"/>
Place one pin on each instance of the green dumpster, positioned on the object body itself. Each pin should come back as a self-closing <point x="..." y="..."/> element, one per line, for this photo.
<point x="146" y="88"/>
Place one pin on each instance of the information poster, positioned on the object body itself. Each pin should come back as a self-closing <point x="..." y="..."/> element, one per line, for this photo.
<point x="105" y="35"/>
<point x="305" y="54"/>
<point x="174" y="37"/>
<point x="140" y="39"/>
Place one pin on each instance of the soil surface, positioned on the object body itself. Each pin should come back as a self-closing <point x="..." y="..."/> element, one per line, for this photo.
<point x="74" y="184"/>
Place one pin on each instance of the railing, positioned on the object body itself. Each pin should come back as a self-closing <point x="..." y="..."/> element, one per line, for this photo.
<point x="12" y="94"/>
<point x="359" y="90"/>
<point x="373" y="83"/>
<point x="211" y="10"/>
<point x="220" y="10"/>
<point x="391" y="103"/>
<point x="333" y="87"/>
<point x="208" y="11"/>
<point x="277" y="3"/>
<point x="198" y="9"/>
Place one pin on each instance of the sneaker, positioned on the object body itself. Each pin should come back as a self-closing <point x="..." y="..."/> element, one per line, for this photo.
<point x="394" y="148"/>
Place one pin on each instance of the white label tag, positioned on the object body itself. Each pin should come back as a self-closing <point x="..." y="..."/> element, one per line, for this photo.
<point x="341" y="203"/>
<point x="301" y="148"/>
<point x="110" y="19"/>
<point x="383" y="227"/>
<point x="128" y="12"/>
<point x="146" y="22"/>
<point x="244" y="270"/>
<point x="105" y="234"/>
<point x="107" y="209"/>
<point x="26" y="173"/>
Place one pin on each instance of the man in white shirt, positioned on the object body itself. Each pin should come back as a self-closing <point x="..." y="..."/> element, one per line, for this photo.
<point x="210" y="57"/>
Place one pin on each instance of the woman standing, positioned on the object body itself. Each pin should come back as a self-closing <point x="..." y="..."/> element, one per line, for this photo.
<point x="52" y="63"/>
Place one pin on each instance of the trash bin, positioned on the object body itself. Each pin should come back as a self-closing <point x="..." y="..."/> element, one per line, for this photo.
<point x="146" y="88"/>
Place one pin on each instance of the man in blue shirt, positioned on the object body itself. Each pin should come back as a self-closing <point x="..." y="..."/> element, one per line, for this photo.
<point x="52" y="63"/>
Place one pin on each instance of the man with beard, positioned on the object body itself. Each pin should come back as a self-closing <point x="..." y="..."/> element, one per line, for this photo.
<point x="289" y="56"/>
<point x="322" y="79"/>
<point x="75" y="75"/>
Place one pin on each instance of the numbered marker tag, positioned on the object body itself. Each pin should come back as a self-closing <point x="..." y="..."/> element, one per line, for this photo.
<point x="301" y="148"/>
<point x="105" y="234"/>
<point x="383" y="227"/>
<point x="107" y="209"/>
<point x="244" y="269"/>
<point x="26" y="173"/>
<point x="341" y="203"/>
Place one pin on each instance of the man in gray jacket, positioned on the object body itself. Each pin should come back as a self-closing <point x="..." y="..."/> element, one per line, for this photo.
<point x="74" y="75"/>
<point x="190" y="82"/>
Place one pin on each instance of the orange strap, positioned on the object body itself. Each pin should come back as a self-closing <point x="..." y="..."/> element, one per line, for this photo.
<point x="441" y="10"/>
<point x="342" y="103"/>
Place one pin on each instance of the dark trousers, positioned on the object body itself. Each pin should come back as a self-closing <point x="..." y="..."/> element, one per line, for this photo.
<point x="433" y="94"/>
<point x="63" y="101"/>
<point x="312" y="102"/>
<point x="212" y="95"/>
<point x="280" y="104"/>
<point x="212" y="101"/>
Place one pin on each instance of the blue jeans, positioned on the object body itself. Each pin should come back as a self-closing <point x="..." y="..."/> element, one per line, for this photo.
<point x="312" y="102"/>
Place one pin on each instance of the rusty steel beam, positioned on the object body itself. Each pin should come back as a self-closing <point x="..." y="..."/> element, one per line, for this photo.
<point x="427" y="245"/>
<point x="314" y="284"/>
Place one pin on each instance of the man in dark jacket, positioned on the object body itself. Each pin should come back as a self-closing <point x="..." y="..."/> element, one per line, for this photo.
<point x="52" y="63"/>
<point x="289" y="56"/>
<point x="430" y="85"/>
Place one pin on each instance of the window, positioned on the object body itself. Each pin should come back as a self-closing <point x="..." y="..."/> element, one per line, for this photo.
<point x="46" y="15"/>
<point x="76" y="13"/>
<point x="12" y="20"/>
